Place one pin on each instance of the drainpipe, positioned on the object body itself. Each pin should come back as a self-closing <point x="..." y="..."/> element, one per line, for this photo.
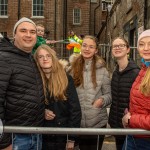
<point x="55" y="21"/>
<point x="145" y="14"/>
<point x="18" y="9"/>
<point x="64" y="26"/>
<point x="90" y="24"/>
<point x="95" y="15"/>
<point x="65" y="20"/>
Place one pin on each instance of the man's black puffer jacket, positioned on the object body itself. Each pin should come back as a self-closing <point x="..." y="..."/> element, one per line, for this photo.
<point x="120" y="88"/>
<point x="21" y="90"/>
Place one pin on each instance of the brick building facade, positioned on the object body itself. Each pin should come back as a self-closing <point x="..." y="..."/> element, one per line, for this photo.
<point x="23" y="8"/>
<point x="58" y="17"/>
<point x="126" y="18"/>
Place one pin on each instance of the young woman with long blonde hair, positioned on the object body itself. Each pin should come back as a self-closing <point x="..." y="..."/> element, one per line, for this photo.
<point x="61" y="100"/>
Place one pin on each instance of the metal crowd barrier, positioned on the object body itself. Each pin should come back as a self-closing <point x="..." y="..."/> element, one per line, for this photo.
<point x="78" y="131"/>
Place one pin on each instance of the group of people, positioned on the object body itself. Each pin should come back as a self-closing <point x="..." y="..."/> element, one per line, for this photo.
<point x="36" y="91"/>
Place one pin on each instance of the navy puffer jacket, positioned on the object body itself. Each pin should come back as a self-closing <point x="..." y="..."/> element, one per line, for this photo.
<point x="21" y="90"/>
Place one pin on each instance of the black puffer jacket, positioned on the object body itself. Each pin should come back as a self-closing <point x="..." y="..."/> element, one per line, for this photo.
<point x="21" y="90"/>
<point x="120" y="88"/>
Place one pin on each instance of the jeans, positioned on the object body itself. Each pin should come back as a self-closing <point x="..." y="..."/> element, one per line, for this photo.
<point x="132" y="143"/>
<point x="27" y="141"/>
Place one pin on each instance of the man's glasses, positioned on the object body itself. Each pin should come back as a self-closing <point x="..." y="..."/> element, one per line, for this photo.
<point x="120" y="46"/>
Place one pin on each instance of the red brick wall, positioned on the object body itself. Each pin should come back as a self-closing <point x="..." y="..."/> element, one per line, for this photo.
<point x="83" y="28"/>
<point x="54" y="22"/>
<point x="7" y="24"/>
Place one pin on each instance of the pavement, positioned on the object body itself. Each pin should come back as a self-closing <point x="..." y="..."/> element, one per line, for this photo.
<point x="109" y="143"/>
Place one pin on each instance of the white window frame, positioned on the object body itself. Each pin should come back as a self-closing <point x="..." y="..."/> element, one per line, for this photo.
<point x="4" y="34"/>
<point x="93" y="1"/>
<point x="104" y="6"/>
<point x="76" y="16"/>
<point x="37" y="8"/>
<point x="3" y="8"/>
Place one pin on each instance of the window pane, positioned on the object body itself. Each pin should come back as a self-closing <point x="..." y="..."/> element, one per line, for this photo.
<point x="3" y="7"/>
<point x="94" y="1"/>
<point x="76" y="17"/>
<point x="37" y="7"/>
<point x="34" y="14"/>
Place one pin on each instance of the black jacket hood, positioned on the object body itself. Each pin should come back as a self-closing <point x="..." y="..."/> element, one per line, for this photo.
<point x="131" y="66"/>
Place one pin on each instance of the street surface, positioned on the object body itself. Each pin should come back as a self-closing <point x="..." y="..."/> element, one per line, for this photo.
<point x="109" y="143"/>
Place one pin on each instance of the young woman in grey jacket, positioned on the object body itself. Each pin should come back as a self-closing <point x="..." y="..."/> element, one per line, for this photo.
<point x="92" y="82"/>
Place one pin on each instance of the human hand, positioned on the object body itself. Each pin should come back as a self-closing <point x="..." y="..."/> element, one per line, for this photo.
<point x="70" y="145"/>
<point x="49" y="115"/>
<point x="8" y="148"/>
<point x="125" y="119"/>
<point x="50" y="41"/>
<point x="98" y="103"/>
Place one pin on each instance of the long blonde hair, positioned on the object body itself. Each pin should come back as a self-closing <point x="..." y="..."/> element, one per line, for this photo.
<point x="145" y="84"/>
<point x="58" y="81"/>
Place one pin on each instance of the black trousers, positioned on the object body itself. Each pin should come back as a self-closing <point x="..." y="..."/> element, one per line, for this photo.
<point x="90" y="142"/>
<point x="53" y="146"/>
<point x="119" y="142"/>
<point x="54" y="142"/>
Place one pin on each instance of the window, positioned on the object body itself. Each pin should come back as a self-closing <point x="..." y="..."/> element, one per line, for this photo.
<point x="37" y="8"/>
<point x="3" y="7"/>
<point x="4" y="34"/>
<point x="104" y="6"/>
<point x="76" y="16"/>
<point x="94" y="1"/>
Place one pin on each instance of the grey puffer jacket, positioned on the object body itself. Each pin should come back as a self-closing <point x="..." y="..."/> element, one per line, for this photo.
<point x="21" y="92"/>
<point x="91" y="116"/>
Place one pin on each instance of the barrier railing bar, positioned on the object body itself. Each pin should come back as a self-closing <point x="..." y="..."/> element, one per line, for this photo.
<point x="79" y="131"/>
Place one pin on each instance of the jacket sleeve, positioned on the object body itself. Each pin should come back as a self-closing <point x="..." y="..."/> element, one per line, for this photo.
<point x="74" y="106"/>
<point x="141" y="121"/>
<point x="78" y="40"/>
<point x="5" y="74"/>
<point x="106" y="89"/>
